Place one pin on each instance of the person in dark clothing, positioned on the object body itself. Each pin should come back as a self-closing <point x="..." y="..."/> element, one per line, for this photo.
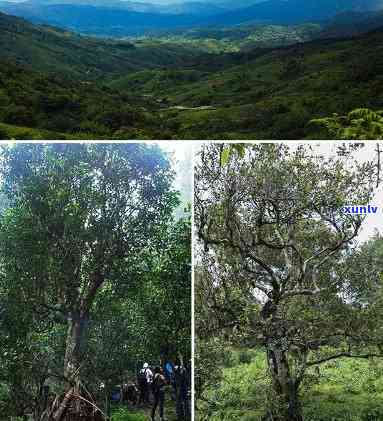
<point x="158" y="386"/>
<point x="144" y="380"/>
<point x="130" y="394"/>
<point x="169" y="374"/>
<point x="182" y="388"/>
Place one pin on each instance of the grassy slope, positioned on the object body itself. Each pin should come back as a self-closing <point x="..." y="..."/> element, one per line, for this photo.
<point x="18" y="132"/>
<point x="343" y="390"/>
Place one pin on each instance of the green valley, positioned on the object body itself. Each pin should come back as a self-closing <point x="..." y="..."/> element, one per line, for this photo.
<point x="238" y="82"/>
<point x="237" y="38"/>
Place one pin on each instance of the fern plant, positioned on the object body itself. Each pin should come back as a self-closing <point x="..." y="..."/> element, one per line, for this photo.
<point x="359" y="124"/>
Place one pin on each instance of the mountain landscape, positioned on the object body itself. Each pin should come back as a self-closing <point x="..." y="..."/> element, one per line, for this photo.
<point x="263" y="71"/>
<point x="125" y="18"/>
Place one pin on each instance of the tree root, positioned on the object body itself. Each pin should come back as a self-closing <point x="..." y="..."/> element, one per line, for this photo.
<point x="73" y="407"/>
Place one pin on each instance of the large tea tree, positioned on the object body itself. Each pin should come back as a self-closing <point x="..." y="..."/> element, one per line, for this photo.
<point x="79" y="218"/>
<point x="276" y="253"/>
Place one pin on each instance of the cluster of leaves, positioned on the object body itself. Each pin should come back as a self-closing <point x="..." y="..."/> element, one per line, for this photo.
<point x="361" y="123"/>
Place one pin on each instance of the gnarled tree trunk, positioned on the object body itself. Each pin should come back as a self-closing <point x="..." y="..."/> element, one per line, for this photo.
<point x="72" y="406"/>
<point x="78" y="322"/>
<point x="285" y="385"/>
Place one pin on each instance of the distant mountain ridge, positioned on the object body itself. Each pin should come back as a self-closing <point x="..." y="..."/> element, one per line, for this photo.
<point x="49" y="49"/>
<point x="296" y="11"/>
<point x="353" y="23"/>
<point x="125" y="18"/>
<point x="192" y="7"/>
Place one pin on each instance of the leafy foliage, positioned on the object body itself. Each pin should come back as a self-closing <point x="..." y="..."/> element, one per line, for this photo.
<point x="361" y="123"/>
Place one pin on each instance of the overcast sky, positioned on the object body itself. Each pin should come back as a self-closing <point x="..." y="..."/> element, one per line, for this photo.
<point x="181" y="154"/>
<point x="373" y="222"/>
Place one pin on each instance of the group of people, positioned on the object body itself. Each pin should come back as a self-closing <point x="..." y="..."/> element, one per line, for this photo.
<point x="153" y="382"/>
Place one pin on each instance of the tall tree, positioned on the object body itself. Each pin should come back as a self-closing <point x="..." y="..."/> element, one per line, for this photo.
<point x="276" y="236"/>
<point x="80" y="217"/>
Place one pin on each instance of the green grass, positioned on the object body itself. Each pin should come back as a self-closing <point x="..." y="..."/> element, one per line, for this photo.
<point x="347" y="390"/>
<point x="343" y="390"/>
<point x="122" y="413"/>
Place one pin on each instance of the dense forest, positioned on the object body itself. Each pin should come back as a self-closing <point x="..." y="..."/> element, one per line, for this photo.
<point x="250" y="81"/>
<point x="290" y="282"/>
<point x="95" y="281"/>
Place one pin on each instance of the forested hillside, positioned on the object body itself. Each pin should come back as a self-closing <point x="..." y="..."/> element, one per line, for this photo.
<point x="275" y="94"/>
<point x="51" y="49"/>
<point x="246" y="82"/>
<point x="352" y="23"/>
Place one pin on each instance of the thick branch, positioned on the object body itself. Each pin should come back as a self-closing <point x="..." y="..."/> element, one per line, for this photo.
<point x="96" y="281"/>
<point x="341" y="355"/>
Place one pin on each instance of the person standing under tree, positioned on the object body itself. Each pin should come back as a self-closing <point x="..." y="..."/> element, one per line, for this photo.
<point x="145" y="377"/>
<point x="159" y="383"/>
<point x="169" y="374"/>
<point x="182" y="387"/>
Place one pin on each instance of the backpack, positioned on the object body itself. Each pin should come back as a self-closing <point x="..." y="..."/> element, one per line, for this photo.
<point x="142" y="377"/>
<point x="158" y="383"/>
